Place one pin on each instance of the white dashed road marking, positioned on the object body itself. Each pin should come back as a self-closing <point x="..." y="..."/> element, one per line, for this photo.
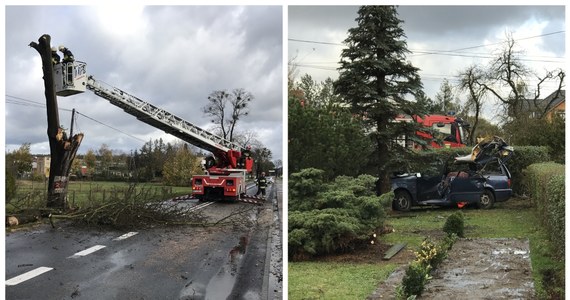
<point x="125" y="236"/>
<point x="88" y="251"/>
<point x="200" y="206"/>
<point x="28" y="275"/>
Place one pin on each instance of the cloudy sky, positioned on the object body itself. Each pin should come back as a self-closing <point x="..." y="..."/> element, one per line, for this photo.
<point x="443" y="39"/>
<point x="170" y="56"/>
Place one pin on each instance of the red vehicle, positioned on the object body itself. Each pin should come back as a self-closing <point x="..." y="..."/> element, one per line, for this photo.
<point x="449" y="129"/>
<point x="225" y="170"/>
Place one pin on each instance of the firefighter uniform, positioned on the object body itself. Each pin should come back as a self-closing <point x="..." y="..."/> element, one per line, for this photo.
<point x="261" y="184"/>
<point x="67" y="55"/>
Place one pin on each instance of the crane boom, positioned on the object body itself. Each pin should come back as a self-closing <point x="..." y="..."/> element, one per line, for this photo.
<point x="162" y="119"/>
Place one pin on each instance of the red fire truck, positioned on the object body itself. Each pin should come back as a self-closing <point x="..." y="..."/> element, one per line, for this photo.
<point x="225" y="170"/>
<point x="450" y="130"/>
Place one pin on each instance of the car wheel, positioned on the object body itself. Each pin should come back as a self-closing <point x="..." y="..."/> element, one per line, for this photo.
<point x="487" y="199"/>
<point x="402" y="201"/>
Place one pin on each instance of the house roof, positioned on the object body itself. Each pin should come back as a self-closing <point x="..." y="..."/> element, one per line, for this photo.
<point x="553" y="102"/>
<point x="546" y="104"/>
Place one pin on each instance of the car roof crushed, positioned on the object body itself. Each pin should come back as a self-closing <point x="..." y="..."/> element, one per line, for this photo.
<point x="486" y="150"/>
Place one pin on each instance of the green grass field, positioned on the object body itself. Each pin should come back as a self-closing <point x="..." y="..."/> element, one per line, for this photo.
<point x="32" y="194"/>
<point x="333" y="280"/>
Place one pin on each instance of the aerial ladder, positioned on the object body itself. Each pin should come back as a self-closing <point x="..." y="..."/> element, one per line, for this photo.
<point x="225" y="171"/>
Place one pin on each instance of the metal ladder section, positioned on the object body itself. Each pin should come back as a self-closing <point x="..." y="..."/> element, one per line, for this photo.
<point x="161" y="119"/>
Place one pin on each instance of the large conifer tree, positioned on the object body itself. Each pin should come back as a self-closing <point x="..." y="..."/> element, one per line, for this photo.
<point x="376" y="80"/>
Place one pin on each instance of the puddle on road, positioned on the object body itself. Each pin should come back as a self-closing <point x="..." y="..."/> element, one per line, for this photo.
<point x="221" y="285"/>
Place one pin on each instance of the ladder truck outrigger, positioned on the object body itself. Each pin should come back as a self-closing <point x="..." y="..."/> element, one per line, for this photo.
<point x="225" y="171"/>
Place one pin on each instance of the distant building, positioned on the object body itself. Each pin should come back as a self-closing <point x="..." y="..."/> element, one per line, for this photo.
<point x="557" y="106"/>
<point x="40" y="165"/>
<point x="553" y="104"/>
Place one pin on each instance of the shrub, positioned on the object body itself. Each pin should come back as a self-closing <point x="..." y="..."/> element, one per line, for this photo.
<point x="523" y="157"/>
<point x="455" y="224"/>
<point x="429" y="256"/>
<point x="331" y="217"/>
<point x="415" y="279"/>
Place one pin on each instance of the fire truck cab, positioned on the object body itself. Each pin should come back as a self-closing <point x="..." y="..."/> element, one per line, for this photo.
<point x="449" y="129"/>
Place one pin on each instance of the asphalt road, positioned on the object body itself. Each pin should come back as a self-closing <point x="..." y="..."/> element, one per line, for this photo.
<point x="239" y="260"/>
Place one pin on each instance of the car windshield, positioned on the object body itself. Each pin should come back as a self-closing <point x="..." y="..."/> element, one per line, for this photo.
<point x="443" y="128"/>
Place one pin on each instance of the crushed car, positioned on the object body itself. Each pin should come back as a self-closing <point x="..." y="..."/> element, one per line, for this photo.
<point x="480" y="178"/>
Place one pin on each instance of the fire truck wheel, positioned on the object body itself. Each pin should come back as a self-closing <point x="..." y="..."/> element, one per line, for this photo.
<point x="402" y="201"/>
<point x="487" y="200"/>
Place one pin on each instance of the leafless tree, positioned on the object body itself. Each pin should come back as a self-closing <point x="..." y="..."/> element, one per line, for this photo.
<point x="471" y="82"/>
<point x="508" y="79"/>
<point x="225" y="109"/>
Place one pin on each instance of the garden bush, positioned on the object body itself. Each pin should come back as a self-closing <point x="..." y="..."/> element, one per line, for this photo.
<point x="415" y="279"/>
<point x="525" y="156"/>
<point x="545" y="183"/>
<point x="428" y="257"/>
<point x="455" y="224"/>
<point x="331" y="217"/>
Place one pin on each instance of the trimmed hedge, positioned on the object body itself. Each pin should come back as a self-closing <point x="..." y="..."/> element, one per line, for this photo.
<point x="426" y="161"/>
<point x="545" y="182"/>
<point x="523" y="157"/>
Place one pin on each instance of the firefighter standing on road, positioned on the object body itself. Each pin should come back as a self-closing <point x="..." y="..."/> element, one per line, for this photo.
<point x="261" y="184"/>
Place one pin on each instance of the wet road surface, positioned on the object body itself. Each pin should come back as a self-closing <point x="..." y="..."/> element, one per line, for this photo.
<point x="232" y="261"/>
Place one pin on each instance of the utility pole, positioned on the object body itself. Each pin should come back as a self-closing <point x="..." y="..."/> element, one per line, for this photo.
<point x="62" y="148"/>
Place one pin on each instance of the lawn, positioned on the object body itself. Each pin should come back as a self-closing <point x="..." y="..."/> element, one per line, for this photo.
<point x="32" y="194"/>
<point x="329" y="279"/>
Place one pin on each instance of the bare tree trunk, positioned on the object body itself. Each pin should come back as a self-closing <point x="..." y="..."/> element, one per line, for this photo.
<point x="62" y="149"/>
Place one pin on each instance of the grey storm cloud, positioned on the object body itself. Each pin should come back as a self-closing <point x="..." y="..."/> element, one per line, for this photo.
<point x="316" y="34"/>
<point x="172" y="57"/>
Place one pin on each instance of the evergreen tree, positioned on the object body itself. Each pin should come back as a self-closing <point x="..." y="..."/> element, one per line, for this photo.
<point x="322" y="133"/>
<point x="375" y="78"/>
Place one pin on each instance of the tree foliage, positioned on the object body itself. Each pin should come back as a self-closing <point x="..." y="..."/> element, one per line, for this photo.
<point x="375" y="79"/>
<point x="445" y="99"/>
<point x="180" y="167"/>
<point x="19" y="162"/>
<point x="539" y="132"/>
<point x="322" y="133"/>
<point x="262" y="158"/>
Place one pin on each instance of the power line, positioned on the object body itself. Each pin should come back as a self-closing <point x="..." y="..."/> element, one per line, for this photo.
<point x="31" y="103"/>
<point x="442" y="52"/>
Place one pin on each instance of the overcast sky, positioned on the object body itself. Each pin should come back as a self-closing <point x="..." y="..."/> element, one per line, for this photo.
<point x="538" y="30"/>
<point x="170" y="56"/>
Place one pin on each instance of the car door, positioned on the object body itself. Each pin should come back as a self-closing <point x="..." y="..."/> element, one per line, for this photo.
<point x="428" y="187"/>
<point x="430" y="180"/>
<point x="466" y="188"/>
